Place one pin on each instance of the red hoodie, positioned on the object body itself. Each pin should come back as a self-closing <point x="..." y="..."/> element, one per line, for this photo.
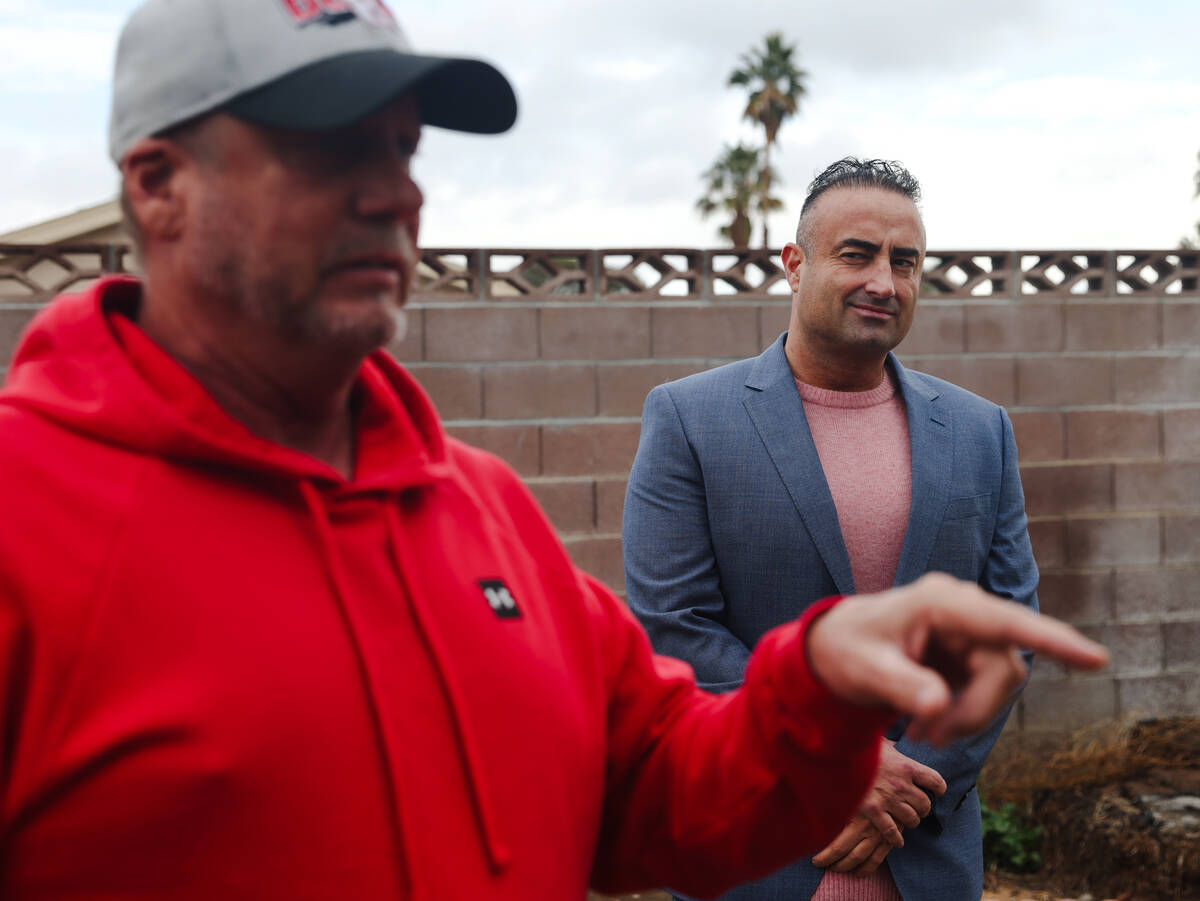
<point x="226" y="672"/>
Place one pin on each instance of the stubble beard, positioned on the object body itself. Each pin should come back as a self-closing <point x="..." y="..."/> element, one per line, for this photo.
<point x="871" y="337"/>
<point x="269" y="303"/>
<point x="270" y="299"/>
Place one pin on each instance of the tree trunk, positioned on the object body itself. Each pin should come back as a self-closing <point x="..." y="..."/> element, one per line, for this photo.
<point x="766" y="193"/>
<point x="739" y="230"/>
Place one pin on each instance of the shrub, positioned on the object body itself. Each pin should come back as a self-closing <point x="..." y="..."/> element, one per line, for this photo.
<point x="1010" y="843"/>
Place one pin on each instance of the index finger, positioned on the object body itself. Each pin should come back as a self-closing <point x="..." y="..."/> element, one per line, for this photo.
<point x="987" y="619"/>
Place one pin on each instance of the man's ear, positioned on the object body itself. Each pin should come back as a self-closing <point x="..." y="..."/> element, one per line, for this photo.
<point x="792" y="257"/>
<point x="154" y="187"/>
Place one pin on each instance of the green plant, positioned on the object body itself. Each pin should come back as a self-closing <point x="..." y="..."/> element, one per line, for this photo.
<point x="1010" y="842"/>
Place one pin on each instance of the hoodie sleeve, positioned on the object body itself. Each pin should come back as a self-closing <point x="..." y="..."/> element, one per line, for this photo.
<point x="703" y="791"/>
<point x="14" y="674"/>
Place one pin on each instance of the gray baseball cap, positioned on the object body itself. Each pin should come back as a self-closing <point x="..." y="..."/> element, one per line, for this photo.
<point x="309" y="65"/>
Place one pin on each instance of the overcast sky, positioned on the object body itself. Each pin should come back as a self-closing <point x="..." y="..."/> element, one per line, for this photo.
<point x="1031" y="124"/>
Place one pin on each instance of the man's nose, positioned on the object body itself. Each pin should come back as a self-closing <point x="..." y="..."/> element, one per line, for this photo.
<point x="881" y="283"/>
<point x="388" y="191"/>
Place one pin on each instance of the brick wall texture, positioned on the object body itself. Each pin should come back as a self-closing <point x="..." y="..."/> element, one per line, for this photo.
<point x="1104" y="395"/>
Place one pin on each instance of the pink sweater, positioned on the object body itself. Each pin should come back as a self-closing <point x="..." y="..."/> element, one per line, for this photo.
<point x="862" y="440"/>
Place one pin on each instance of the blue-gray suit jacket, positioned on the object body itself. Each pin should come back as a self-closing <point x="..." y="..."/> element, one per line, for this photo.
<point x="730" y="529"/>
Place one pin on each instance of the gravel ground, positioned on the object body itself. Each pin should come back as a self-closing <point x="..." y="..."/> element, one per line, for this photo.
<point x="998" y="889"/>
<point x="1025" y="889"/>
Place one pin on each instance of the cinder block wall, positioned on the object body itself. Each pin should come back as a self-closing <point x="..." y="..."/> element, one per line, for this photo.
<point x="1104" y="395"/>
<point x="1103" y="388"/>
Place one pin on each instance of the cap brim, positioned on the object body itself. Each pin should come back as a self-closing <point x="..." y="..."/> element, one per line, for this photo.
<point x="459" y="94"/>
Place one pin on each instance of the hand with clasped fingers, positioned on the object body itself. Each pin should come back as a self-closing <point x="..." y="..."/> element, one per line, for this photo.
<point x="895" y="802"/>
<point x="943" y="652"/>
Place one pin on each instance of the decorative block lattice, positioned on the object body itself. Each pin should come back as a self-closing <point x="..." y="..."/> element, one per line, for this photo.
<point x="1065" y="273"/>
<point x="748" y="273"/>
<point x="649" y="274"/>
<point x="34" y="273"/>
<point x="1157" y="271"/>
<point x="539" y="273"/>
<point x="452" y="274"/>
<point x="967" y="273"/>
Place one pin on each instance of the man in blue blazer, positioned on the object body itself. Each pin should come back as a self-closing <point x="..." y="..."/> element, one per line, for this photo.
<point x="825" y="467"/>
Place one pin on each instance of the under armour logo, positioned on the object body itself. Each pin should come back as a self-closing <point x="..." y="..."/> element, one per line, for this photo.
<point x="500" y="599"/>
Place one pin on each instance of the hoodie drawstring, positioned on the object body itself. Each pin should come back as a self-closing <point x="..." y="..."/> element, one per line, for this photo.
<point x="498" y="853"/>
<point x="338" y="581"/>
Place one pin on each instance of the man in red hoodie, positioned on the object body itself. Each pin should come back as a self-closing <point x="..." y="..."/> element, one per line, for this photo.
<point x="266" y="631"/>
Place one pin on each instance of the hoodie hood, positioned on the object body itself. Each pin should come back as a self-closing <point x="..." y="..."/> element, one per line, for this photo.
<point x="84" y="364"/>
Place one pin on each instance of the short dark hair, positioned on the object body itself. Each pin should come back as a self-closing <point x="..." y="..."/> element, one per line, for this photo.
<point x="851" y="172"/>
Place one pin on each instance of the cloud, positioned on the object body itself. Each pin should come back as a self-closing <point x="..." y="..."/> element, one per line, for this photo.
<point x="48" y="180"/>
<point x="1031" y="122"/>
<point x="636" y="70"/>
<point x="57" y="53"/>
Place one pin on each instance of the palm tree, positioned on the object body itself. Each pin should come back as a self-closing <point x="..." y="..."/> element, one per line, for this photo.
<point x="731" y="184"/>
<point x="1196" y="180"/>
<point x="1192" y="241"/>
<point x="776" y="85"/>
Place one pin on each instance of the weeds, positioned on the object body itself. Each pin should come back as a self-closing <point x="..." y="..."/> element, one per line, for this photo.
<point x="1010" y="843"/>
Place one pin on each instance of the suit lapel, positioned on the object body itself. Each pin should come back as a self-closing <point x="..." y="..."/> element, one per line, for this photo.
<point x="931" y="439"/>
<point x="777" y="412"/>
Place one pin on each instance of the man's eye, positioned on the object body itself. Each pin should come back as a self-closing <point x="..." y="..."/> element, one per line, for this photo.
<point x="904" y="263"/>
<point x="333" y="148"/>
<point x="854" y="255"/>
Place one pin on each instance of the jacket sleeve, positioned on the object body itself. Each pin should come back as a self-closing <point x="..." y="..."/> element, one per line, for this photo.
<point x="671" y="577"/>
<point x="1009" y="572"/>
<point x="704" y="791"/>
